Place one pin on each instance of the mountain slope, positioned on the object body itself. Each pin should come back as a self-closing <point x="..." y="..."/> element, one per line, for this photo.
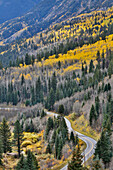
<point x="11" y="9"/>
<point x="46" y="13"/>
<point x="61" y="37"/>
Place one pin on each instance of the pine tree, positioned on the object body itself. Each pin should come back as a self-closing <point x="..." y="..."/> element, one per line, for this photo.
<point x="109" y="86"/>
<point x="22" y="80"/>
<point x="61" y="109"/>
<point x="43" y="113"/>
<point x="72" y="138"/>
<point x="49" y="85"/>
<point x="18" y="135"/>
<point x="31" y="126"/>
<point x="31" y="161"/>
<point x="77" y="140"/>
<point x="51" y="98"/>
<point x="27" y="59"/>
<point x="97" y="105"/>
<point x="1" y="151"/>
<point x="33" y="59"/>
<point x="82" y="67"/>
<point x="96" y="164"/>
<point x="48" y="149"/>
<point x="1" y="66"/>
<point x="54" y="136"/>
<point x="91" y="66"/>
<point x="21" y="165"/>
<point x="33" y="101"/>
<point x="92" y="114"/>
<point x="103" y="63"/>
<point x="54" y="82"/>
<point x="49" y="126"/>
<point x="39" y="93"/>
<point x="56" y="146"/>
<point x="76" y="161"/>
<point x="59" y="65"/>
<point x="110" y="70"/>
<point x="14" y="98"/>
<point x="103" y="148"/>
<point x="5" y="136"/>
<point x="60" y="149"/>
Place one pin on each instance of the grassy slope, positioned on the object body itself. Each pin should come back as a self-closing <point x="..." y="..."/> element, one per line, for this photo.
<point x="81" y="125"/>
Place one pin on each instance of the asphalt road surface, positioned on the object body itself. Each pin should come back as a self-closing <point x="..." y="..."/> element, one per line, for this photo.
<point x="90" y="143"/>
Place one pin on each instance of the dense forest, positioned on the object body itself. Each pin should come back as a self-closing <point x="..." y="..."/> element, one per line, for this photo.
<point x="67" y="69"/>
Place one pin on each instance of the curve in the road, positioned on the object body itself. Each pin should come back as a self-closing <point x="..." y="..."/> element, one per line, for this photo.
<point x="90" y="142"/>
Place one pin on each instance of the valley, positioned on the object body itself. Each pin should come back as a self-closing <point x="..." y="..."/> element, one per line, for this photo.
<point x="56" y="87"/>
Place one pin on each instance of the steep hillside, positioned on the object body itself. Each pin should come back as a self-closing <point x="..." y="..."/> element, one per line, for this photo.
<point x="61" y="37"/>
<point x="66" y="69"/>
<point x="46" y="13"/>
<point x="10" y="9"/>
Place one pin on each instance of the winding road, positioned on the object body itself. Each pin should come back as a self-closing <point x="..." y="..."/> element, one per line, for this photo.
<point x="90" y="143"/>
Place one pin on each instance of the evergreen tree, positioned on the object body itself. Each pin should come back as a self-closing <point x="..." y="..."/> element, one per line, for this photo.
<point x="103" y="63"/>
<point x="49" y="126"/>
<point x="61" y="109"/>
<point x="33" y="101"/>
<point x="82" y="67"/>
<point x="14" y="98"/>
<point x="18" y="135"/>
<point x="32" y="126"/>
<point x="59" y="65"/>
<point x="1" y="151"/>
<point x="109" y="86"/>
<point x="22" y="80"/>
<point x="33" y="60"/>
<point x="77" y="140"/>
<point x="98" y="55"/>
<point x="49" y="85"/>
<point x="60" y="149"/>
<point x="97" y="105"/>
<point x="1" y="66"/>
<point x="96" y="164"/>
<point x="48" y="149"/>
<point x="85" y="70"/>
<point x="54" y="82"/>
<point x="72" y="138"/>
<point x="43" y="113"/>
<point x="103" y="148"/>
<point x="27" y="59"/>
<point x="92" y="114"/>
<point x="21" y="165"/>
<point x="54" y="136"/>
<point x="56" y="146"/>
<point x="91" y="66"/>
<point x="31" y="161"/>
<point x="5" y="136"/>
<point x="76" y="161"/>
<point x="110" y="70"/>
<point x="51" y="98"/>
<point x="39" y="93"/>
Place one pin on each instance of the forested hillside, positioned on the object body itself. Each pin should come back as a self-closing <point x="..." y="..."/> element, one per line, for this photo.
<point x="67" y="35"/>
<point x="66" y="69"/>
<point x="44" y="14"/>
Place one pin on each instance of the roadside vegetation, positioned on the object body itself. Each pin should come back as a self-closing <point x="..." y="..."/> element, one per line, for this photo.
<point x="75" y="79"/>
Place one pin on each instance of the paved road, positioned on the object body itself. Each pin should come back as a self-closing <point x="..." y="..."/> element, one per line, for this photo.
<point x="89" y="151"/>
<point x="90" y="143"/>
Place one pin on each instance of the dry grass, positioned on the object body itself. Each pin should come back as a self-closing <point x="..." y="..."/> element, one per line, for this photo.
<point x="81" y="125"/>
